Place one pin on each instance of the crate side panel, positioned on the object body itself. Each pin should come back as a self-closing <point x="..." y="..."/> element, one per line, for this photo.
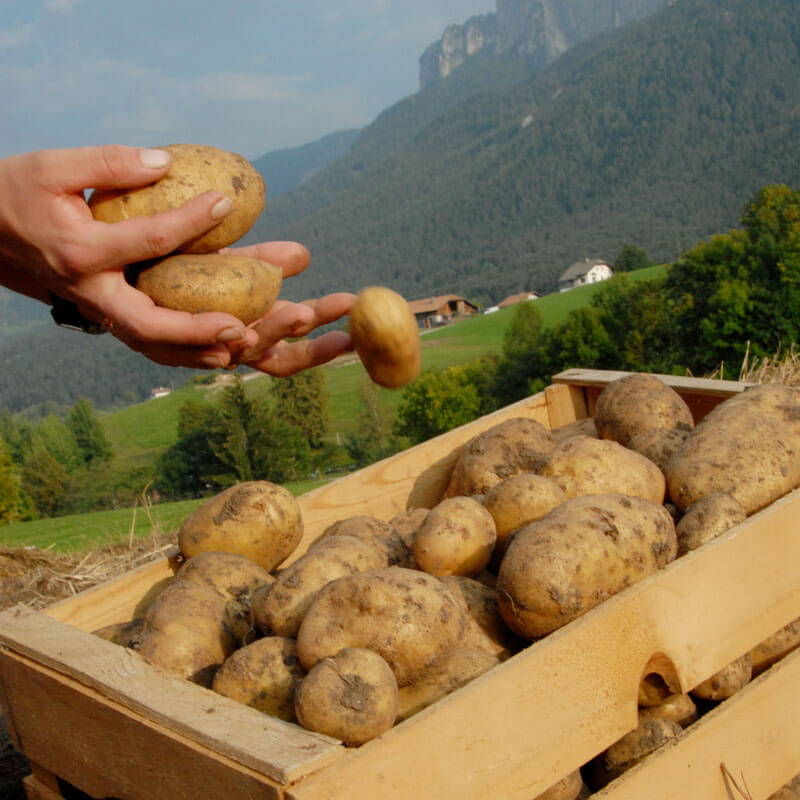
<point x="521" y="727"/>
<point x="106" y="751"/>
<point x="275" y="748"/>
<point x="755" y="735"/>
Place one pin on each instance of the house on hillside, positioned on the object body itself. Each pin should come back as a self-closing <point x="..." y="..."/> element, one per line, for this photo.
<point x="513" y="299"/>
<point x="582" y="273"/>
<point x="159" y="391"/>
<point x="433" y="311"/>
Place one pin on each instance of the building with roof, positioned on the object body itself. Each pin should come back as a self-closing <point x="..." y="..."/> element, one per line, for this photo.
<point x="582" y="273"/>
<point x="433" y="311"/>
<point x="513" y="299"/>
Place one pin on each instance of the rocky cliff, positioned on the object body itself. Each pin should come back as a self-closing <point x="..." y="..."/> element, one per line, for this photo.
<point x="541" y="30"/>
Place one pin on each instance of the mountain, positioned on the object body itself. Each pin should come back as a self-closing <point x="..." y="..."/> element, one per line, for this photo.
<point x="656" y="134"/>
<point x="285" y="169"/>
<point x="541" y="30"/>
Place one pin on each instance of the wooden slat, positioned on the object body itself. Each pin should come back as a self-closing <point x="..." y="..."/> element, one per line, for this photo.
<point x="755" y="735"/>
<point x="516" y="730"/>
<point x="105" y="750"/>
<point x="36" y="790"/>
<point x="275" y="748"/>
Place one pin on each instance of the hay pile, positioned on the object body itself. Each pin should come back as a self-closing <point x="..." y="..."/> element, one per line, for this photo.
<point x="35" y="578"/>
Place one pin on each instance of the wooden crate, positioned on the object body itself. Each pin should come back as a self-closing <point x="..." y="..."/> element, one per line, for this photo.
<point x="98" y="717"/>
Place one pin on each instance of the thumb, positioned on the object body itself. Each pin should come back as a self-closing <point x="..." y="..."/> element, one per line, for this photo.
<point x="107" y="167"/>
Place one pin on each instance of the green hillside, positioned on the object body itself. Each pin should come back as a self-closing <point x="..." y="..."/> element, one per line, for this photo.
<point x="656" y="135"/>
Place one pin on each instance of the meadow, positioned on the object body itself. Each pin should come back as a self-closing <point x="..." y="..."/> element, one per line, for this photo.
<point x="140" y="432"/>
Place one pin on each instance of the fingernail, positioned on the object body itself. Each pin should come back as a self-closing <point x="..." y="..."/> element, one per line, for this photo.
<point x="222" y="208"/>
<point x="212" y="362"/>
<point x="230" y="335"/>
<point x="154" y="159"/>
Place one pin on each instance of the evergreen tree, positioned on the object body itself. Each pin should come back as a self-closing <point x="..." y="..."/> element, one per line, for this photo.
<point x="13" y="502"/>
<point x="46" y="482"/>
<point x="302" y="400"/>
<point x="88" y="432"/>
<point x="631" y="258"/>
<point x="372" y="438"/>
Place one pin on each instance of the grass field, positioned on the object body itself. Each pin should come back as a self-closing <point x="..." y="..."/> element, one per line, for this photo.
<point x="142" y="431"/>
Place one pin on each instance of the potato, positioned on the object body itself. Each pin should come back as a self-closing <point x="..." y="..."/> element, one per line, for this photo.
<point x="775" y="647"/>
<point x="194" y="169"/>
<point x="386" y="336"/>
<point x="659" y="444"/>
<point x="791" y="791"/>
<point x="506" y="449"/>
<point x="580" y="427"/>
<point x="748" y="446"/>
<point x="710" y="516"/>
<point x="236" y="578"/>
<point x="581" y="553"/>
<point x="408" y="617"/>
<point x="630" y="750"/>
<point x="725" y="683"/>
<point x="571" y="787"/>
<point x="296" y="586"/>
<point x="264" y="674"/>
<point x="187" y="631"/>
<point x="518" y="500"/>
<point x="653" y="690"/>
<point x="636" y="403"/>
<point x="125" y="634"/>
<point x="351" y="695"/>
<point x="256" y="519"/>
<point x="583" y="465"/>
<point x="485" y="627"/>
<point x="461" y="667"/>
<point x="239" y="285"/>
<point x="457" y="537"/>
<point x="679" y="708"/>
<point x="406" y="524"/>
<point x="375" y="532"/>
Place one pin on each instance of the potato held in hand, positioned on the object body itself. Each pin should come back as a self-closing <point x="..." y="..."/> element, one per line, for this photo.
<point x="245" y="287"/>
<point x="194" y="169"/>
<point x="385" y="336"/>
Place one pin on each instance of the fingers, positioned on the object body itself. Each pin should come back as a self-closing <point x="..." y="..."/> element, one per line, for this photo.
<point x="291" y="257"/>
<point x="105" y="167"/>
<point x="286" y="358"/>
<point x="143" y="238"/>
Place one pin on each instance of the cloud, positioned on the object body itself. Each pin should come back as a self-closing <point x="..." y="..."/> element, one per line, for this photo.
<point x="16" y="38"/>
<point x="246" y="86"/>
<point x="62" y="6"/>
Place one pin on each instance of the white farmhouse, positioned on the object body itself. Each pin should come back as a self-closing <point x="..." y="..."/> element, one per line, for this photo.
<point x="582" y="273"/>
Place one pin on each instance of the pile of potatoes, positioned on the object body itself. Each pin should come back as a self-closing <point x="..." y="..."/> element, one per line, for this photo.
<point x="380" y="618"/>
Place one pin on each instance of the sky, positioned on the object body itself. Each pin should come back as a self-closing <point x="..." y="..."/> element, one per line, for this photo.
<point x="249" y="76"/>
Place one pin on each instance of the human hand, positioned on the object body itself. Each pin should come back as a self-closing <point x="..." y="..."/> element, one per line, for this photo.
<point x="49" y="242"/>
<point x="285" y="320"/>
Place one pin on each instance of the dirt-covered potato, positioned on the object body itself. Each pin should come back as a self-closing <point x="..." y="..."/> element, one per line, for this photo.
<point x="506" y="449"/>
<point x="710" y="516"/>
<point x="187" y="631"/>
<point x="485" y="628"/>
<point x="351" y="695"/>
<point x="725" y="683"/>
<point x="659" y="444"/>
<point x="457" y="537"/>
<point x="581" y="553"/>
<point x="257" y="519"/>
<point x="377" y="533"/>
<point x="461" y="667"/>
<point x="570" y="787"/>
<point x="791" y="791"/>
<point x="775" y="647"/>
<point x="125" y="634"/>
<point x="296" y="586"/>
<point x="386" y="336"/>
<point x="748" y="446"/>
<point x="679" y="708"/>
<point x="628" y="751"/>
<point x="583" y="465"/>
<point x="408" y="617"/>
<point x="518" y="500"/>
<point x="263" y="674"/>
<point x="580" y="427"/>
<point x="406" y="524"/>
<point x="636" y="403"/>
<point x="194" y="169"/>
<point x="239" y="285"/>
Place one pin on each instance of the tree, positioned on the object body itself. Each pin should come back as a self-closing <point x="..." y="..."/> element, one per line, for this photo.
<point x="236" y="418"/>
<point x="88" y="432"/>
<point x="46" y="482"/>
<point x="13" y="502"/>
<point x="438" y="401"/>
<point x="302" y="400"/>
<point x="631" y="258"/>
<point x="372" y="438"/>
